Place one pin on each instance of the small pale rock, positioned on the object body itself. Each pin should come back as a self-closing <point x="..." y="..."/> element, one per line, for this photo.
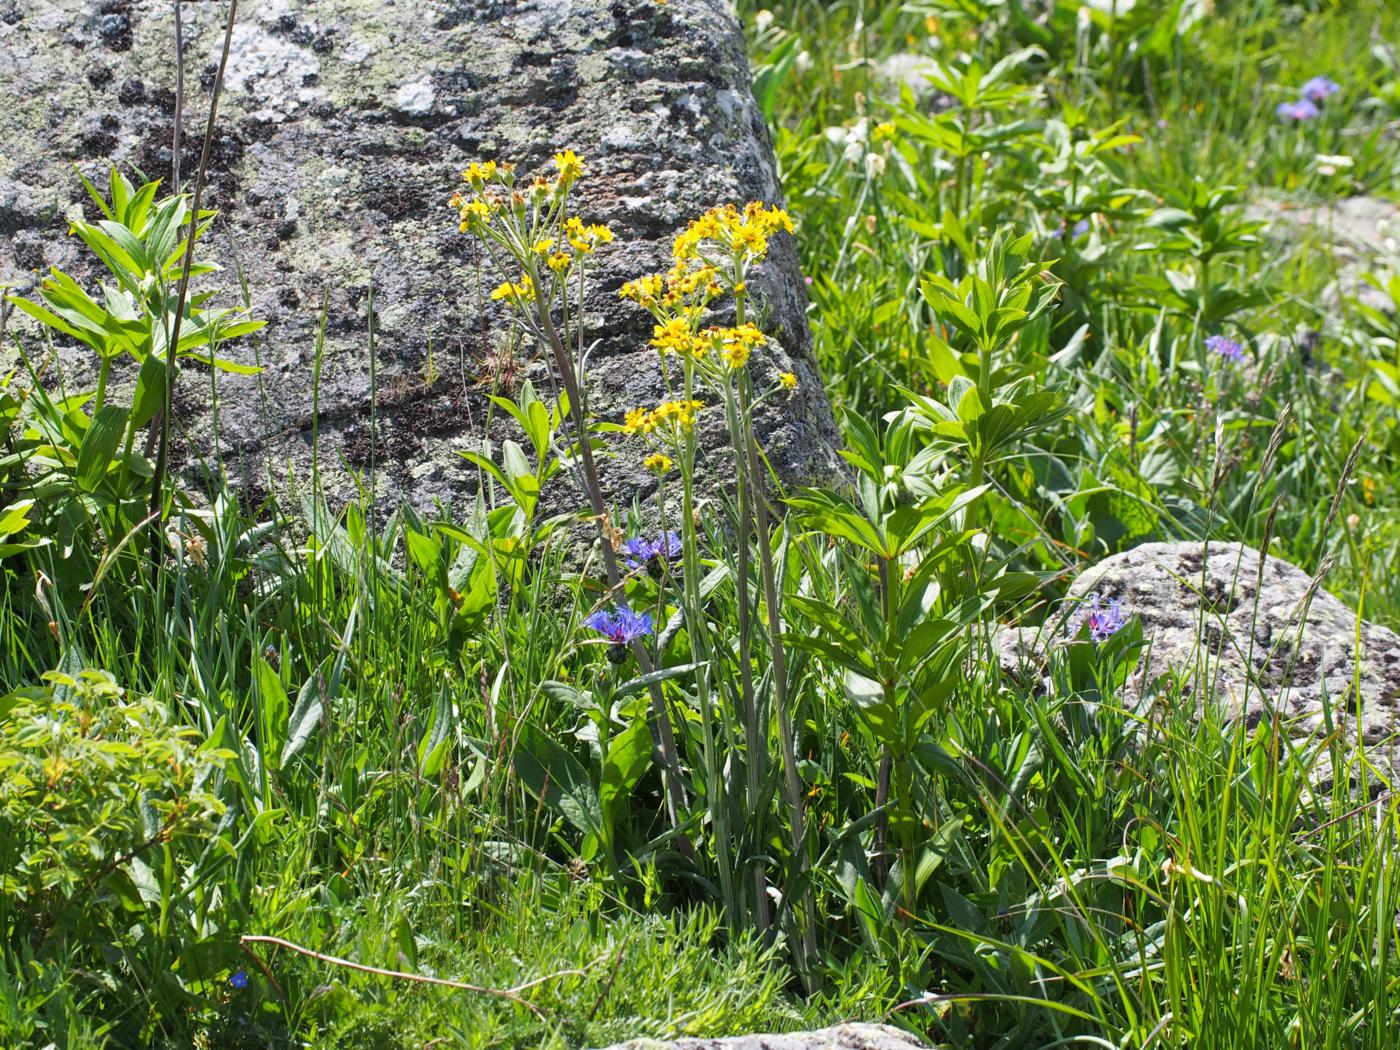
<point x="415" y="98"/>
<point x="841" y="1037"/>
<point x="1361" y="233"/>
<point x="1266" y="636"/>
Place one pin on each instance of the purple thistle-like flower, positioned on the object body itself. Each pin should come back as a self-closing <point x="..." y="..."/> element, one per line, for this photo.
<point x="1227" y="348"/>
<point x="239" y="979"/>
<point x="1104" y="617"/>
<point x="640" y="551"/>
<point x="1303" y="109"/>
<point x="1319" y="89"/>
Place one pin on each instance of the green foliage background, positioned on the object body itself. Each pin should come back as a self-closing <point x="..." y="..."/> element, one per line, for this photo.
<point x="391" y="739"/>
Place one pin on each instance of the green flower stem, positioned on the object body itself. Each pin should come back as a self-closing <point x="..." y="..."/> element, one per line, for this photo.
<point x="787" y="740"/>
<point x="700" y="645"/>
<point x="661" y="719"/>
<point x="755" y="742"/>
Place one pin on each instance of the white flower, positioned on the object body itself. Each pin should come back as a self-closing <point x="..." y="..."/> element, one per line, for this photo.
<point x="874" y="164"/>
<point x="763" y="20"/>
<point x="802" y="62"/>
<point x="1330" y="163"/>
<point x="854" y="150"/>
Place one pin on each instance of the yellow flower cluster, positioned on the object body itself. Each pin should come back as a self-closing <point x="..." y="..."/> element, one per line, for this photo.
<point x="516" y="294"/>
<point x="735" y="344"/>
<point x="676" y="337"/>
<point x="684" y="281"/>
<point x="585" y="239"/>
<point x="569" y="165"/>
<point x="643" y="290"/>
<point x="478" y="175"/>
<point x="478" y="207"/>
<point x="471" y="214"/>
<point x="745" y="232"/>
<point x="673" y="416"/>
<point x="658" y="463"/>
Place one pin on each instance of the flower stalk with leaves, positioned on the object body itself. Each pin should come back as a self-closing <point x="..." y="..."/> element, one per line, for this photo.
<point x="524" y="229"/>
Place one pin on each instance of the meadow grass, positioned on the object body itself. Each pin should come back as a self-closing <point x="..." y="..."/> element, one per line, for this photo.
<point x="408" y="742"/>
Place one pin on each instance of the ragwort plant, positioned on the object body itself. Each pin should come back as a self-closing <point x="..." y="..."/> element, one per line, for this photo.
<point x="714" y="258"/>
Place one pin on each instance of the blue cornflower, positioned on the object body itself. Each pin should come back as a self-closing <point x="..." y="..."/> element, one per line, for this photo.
<point x="1104" y="617"/>
<point x="1303" y="109"/>
<point x="1226" y="348"/>
<point x="620" y="627"/>
<point x="1079" y="229"/>
<point x="239" y="979"/>
<point x="653" y="554"/>
<point x="1319" y="89"/>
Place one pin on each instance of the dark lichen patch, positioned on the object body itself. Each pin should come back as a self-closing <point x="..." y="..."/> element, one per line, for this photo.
<point x="112" y="24"/>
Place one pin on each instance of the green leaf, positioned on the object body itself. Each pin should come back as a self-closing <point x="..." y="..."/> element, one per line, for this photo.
<point x="275" y="708"/>
<point x="558" y="780"/>
<point x="150" y="391"/>
<point x="629" y="754"/>
<point x="306" y="715"/>
<point x="99" y="446"/>
<point x="15" y="517"/>
<point x="646" y="681"/>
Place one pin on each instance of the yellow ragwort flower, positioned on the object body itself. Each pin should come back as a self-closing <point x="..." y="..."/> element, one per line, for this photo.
<point x="584" y="239"/>
<point x="747" y="231"/>
<point x="674" y="416"/>
<point x="736" y="344"/>
<point x="643" y="290"/>
<point x="675" y="337"/>
<point x="681" y="414"/>
<point x="516" y="294"/>
<point x="639" y="421"/>
<point x="570" y="166"/>
<point x="788" y="381"/>
<point x="558" y="262"/>
<point x="658" y="463"/>
<point x="479" y="174"/>
<point x="543" y="246"/>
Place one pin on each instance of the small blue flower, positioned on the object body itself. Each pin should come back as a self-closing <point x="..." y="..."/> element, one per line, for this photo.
<point x="1227" y="348"/>
<point x="1303" y="109"/>
<point x="1103" y="616"/>
<point x="1079" y="229"/>
<point x="620" y="627"/>
<point x="239" y="979"/>
<point x="1319" y="89"/>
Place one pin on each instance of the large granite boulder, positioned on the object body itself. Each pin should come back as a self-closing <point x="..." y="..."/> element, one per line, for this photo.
<point x="842" y="1037"/>
<point x="342" y="130"/>
<point x="1258" y="636"/>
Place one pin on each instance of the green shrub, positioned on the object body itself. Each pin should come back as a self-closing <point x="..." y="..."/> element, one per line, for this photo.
<point x="107" y="824"/>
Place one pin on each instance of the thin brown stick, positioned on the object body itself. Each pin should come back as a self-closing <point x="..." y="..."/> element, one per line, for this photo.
<point x="160" y="423"/>
<point x="511" y="994"/>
